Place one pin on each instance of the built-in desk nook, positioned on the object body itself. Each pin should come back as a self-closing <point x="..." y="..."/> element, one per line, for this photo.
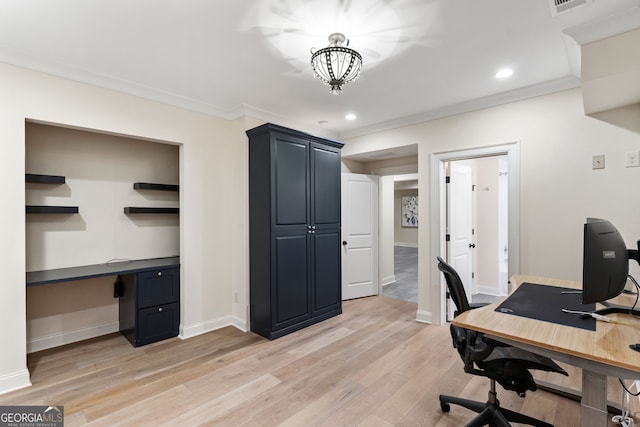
<point x="91" y="197"/>
<point x="148" y="292"/>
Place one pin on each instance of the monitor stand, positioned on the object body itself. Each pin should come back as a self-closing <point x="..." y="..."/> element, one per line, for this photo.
<point x="632" y="254"/>
<point x="615" y="308"/>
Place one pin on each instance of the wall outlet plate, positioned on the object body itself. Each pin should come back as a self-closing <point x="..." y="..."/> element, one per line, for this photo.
<point x="597" y="161"/>
<point x="632" y="159"/>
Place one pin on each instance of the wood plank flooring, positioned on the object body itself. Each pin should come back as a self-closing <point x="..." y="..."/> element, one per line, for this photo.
<point x="374" y="365"/>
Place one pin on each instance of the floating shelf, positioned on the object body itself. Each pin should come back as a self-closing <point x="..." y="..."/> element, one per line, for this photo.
<point x="152" y="186"/>
<point x="52" y="209"/>
<point x="135" y="210"/>
<point x="44" y="179"/>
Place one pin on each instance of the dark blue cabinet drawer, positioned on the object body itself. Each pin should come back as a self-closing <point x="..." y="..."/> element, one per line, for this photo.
<point x="158" y="287"/>
<point x="157" y="323"/>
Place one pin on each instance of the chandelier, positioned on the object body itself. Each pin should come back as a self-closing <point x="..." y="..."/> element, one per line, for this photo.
<point x="336" y="65"/>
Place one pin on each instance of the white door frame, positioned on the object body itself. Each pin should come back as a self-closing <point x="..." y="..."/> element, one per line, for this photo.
<point x="438" y="215"/>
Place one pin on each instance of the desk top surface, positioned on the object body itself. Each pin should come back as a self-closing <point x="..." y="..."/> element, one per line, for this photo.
<point x="44" y="277"/>
<point x="609" y="344"/>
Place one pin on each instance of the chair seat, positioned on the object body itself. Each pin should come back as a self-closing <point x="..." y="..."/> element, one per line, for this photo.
<point x="509" y="366"/>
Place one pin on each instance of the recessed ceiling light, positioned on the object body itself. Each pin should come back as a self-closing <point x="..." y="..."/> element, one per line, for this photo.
<point x="350" y="116"/>
<point x="504" y="73"/>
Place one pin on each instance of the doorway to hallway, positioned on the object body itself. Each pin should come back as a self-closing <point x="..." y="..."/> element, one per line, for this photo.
<point x="441" y="212"/>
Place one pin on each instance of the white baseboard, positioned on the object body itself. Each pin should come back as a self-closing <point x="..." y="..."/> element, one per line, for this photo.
<point x="55" y="340"/>
<point x="424" y="316"/>
<point x="406" y="245"/>
<point x="387" y="280"/>
<point x="488" y="290"/>
<point x="14" y="381"/>
<point x="212" y="325"/>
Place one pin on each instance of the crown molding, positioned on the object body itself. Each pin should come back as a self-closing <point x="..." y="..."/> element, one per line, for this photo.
<point x="607" y="26"/>
<point x="267" y="116"/>
<point x="552" y="86"/>
<point x="66" y="71"/>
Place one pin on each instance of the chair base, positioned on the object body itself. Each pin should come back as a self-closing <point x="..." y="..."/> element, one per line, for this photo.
<point x="489" y="413"/>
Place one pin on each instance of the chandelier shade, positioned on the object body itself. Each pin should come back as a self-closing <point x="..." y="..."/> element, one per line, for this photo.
<point x="336" y="65"/>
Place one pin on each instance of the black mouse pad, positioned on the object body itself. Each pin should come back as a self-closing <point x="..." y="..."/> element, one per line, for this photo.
<point x="544" y="302"/>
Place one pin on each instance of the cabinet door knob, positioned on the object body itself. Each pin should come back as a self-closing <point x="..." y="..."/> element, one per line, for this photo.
<point x="159" y="273"/>
<point x="160" y="309"/>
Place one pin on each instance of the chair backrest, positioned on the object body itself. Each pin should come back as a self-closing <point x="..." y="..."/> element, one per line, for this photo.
<point x="456" y="288"/>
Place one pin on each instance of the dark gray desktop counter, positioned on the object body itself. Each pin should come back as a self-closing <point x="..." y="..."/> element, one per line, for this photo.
<point x="56" y="275"/>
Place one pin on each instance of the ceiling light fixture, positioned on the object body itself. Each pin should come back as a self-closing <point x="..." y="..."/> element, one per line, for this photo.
<point x="336" y="65"/>
<point x="504" y="73"/>
<point x="350" y="116"/>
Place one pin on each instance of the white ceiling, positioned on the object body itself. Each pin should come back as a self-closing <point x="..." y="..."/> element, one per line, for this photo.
<point x="422" y="58"/>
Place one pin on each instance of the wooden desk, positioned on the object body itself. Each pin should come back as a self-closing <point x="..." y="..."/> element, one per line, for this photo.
<point x="599" y="354"/>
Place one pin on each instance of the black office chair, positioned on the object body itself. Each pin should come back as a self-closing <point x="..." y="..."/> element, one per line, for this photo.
<point x="507" y="365"/>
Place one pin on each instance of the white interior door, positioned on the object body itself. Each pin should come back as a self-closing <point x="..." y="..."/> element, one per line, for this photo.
<point x="359" y="235"/>
<point x="460" y="223"/>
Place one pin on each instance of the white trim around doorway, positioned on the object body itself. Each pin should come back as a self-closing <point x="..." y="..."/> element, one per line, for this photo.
<point x="437" y="206"/>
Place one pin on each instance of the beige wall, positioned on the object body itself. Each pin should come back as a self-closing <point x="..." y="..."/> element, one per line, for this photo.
<point x="386" y="267"/>
<point x="558" y="189"/>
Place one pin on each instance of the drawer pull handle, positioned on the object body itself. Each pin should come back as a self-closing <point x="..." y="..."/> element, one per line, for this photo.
<point x="160" y="309"/>
<point x="159" y="273"/>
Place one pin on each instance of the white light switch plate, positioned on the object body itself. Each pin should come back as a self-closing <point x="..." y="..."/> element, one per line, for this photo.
<point x="632" y="159"/>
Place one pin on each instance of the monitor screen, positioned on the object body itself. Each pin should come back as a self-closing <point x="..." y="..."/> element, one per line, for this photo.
<point x="605" y="262"/>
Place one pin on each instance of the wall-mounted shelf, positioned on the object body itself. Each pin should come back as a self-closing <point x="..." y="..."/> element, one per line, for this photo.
<point x="136" y="210"/>
<point x="153" y="186"/>
<point x="44" y="179"/>
<point x="31" y="209"/>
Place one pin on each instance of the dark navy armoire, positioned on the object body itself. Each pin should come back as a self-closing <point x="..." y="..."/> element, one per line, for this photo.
<point x="294" y="215"/>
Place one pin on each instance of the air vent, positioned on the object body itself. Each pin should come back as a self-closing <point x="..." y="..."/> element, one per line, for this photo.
<point x="562" y="6"/>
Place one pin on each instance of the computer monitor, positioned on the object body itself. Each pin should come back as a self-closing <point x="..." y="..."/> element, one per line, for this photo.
<point x="605" y="265"/>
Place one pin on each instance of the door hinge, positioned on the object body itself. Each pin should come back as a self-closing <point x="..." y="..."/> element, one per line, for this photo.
<point x="473" y="275"/>
<point x="473" y="187"/>
<point x="447" y="237"/>
<point x="447" y="179"/>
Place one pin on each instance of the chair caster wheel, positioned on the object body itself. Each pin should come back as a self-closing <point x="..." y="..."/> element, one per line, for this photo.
<point x="445" y="406"/>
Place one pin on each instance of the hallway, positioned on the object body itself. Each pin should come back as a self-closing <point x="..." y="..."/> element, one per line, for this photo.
<point x="406" y="272"/>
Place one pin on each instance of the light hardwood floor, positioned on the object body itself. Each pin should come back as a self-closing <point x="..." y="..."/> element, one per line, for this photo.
<point x="374" y="365"/>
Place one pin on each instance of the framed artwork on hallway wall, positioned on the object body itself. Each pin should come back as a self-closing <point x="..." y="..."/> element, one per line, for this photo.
<point x="410" y="211"/>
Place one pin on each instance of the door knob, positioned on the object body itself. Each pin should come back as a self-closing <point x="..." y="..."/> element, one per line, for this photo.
<point x="344" y="243"/>
<point x="472" y="245"/>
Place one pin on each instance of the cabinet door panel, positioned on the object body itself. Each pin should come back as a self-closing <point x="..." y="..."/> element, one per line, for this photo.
<point x="157" y="323"/>
<point x="325" y="166"/>
<point x="290" y="181"/>
<point x="327" y="272"/>
<point x="158" y="287"/>
<point x="290" y="284"/>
